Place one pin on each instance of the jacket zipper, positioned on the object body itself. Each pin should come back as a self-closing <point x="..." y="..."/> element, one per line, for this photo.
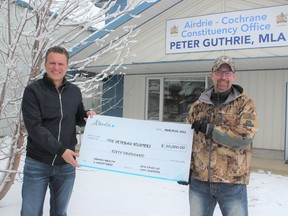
<point x="211" y="143"/>
<point x="60" y="122"/>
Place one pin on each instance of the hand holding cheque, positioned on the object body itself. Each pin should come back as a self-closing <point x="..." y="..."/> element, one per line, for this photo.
<point x="138" y="147"/>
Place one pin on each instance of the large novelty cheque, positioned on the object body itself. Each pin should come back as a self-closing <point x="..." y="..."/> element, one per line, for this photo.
<point x="138" y="147"/>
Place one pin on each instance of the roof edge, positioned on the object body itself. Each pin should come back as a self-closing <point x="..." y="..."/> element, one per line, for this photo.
<point x="111" y="26"/>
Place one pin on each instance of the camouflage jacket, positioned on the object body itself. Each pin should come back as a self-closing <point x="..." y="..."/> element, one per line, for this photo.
<point x="224" y="156"/>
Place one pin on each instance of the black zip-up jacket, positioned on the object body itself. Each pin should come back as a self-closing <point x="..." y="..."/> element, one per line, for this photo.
<point x="50" y="116"/>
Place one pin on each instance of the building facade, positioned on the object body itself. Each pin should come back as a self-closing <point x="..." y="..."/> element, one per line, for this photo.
<point x="164" y="77"/>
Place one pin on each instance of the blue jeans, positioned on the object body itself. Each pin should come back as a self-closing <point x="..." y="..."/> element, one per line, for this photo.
<point x="37" y="177"/>
<point x="231" y="198"/>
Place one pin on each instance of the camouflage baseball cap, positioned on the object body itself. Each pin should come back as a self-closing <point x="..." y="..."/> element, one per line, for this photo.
<point x="224" y="60"/>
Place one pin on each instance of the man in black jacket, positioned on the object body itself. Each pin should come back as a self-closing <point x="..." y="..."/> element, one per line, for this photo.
<point x="52" y="107"/>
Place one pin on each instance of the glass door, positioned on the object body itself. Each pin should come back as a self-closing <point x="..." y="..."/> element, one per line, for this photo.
<point x="169" y="99"/>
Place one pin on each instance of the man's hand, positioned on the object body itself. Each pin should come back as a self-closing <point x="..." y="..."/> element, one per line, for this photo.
<point x="203" y="127"/>
<point x="183" y="182"/>
<point x="200" y="125"/>
<point x="90" y="114"/>
<point x="69" y="156"/>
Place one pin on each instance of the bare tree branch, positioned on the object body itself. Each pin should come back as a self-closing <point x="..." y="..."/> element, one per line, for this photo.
<point x="26" y="31"/>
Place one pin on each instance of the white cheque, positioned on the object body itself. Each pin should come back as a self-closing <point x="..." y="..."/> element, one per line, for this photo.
<point x="138" y="147"/>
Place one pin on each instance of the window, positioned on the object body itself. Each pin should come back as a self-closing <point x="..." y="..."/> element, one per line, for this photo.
<point x="153" y="99"/>
<point x="169" y="99"/>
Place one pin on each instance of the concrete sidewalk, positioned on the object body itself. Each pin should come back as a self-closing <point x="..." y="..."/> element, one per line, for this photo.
<point x="269" y="165"/>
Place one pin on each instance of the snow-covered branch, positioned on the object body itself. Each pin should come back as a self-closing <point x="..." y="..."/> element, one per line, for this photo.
<point x="27" y="29"/>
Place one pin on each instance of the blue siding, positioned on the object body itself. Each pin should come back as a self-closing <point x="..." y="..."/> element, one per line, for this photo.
<point x="121" y="4"/>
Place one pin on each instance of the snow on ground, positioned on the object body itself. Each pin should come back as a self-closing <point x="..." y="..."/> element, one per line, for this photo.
<point x="105" y="193"/>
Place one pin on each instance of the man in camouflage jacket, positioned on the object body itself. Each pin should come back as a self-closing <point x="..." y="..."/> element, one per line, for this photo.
<point x="225" y="123"/>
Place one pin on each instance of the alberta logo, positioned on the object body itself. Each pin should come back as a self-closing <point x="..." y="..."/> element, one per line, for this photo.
<point x="174" y="30"/>
<point x="282" y="18"/>
<point x="102" y="124"/>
